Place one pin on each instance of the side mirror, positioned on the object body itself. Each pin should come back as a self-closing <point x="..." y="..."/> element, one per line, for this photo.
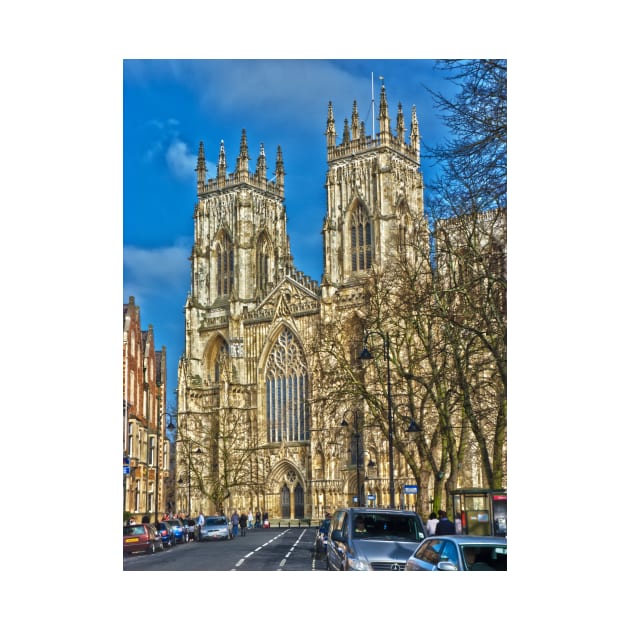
<point x="337" y="536"/>
<point x="446" y="566"/>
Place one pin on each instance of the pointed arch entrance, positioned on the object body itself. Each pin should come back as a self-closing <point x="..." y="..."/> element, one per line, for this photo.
<point x="287" y="502"/>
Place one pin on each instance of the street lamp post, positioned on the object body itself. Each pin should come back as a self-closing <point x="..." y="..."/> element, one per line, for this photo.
<point x="365" y="356"/>
<point x="159" y="449"/>
<point x="358" y="450"/>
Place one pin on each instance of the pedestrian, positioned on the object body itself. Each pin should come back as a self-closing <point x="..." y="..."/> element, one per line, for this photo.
<point x="432" y="523"/>
<point x="250" y="519"/>
<point x="242" y="522"/>
<point x="131" y="521"/>
<point x="265" y="519"/>
<point x="201" y="521"/>
<point x="234" y="521"/>
<point x="257" y="521"/>
<point x="444" y="526"/>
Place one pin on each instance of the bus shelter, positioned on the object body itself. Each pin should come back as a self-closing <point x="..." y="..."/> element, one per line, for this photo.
<point x="482" y="511"/>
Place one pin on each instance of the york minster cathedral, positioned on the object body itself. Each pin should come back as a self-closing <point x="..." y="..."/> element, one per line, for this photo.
<point x="277" y="408"/>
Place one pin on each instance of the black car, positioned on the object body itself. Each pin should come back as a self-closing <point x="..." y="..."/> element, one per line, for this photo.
<point x="191" y="527"/>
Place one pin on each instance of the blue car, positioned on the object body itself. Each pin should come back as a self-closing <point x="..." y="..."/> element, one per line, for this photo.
<point x="166" y="533"/>
<point x="180" y="530"/>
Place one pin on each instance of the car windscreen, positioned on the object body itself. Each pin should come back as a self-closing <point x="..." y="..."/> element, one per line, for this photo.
<point x="387" y="527"/>
<point x="133" y="530"/>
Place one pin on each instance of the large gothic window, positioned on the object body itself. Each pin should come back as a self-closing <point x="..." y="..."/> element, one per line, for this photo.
<point x="286" y="391"/>
<point x="360" y="240"/>
<point x="225" y="266"/>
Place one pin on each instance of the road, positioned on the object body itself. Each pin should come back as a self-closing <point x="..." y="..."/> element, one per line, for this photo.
<point x="280" y="549"/>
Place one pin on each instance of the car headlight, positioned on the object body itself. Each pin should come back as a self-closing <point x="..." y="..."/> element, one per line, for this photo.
<point x="356" y="564"/>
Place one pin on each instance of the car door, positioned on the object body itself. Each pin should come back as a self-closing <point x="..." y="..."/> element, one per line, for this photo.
<point x="336" y="552"/>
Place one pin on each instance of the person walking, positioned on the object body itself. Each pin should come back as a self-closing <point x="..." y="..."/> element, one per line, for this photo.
<point x="444" y="526"/>
<point x="234" y="521"/>
<point x="201" y="521"/>
<point x="250" y="519"/>
<point x="432" y="524"/>
<point x="257" y="521"/>
<point x="242" y="523"/>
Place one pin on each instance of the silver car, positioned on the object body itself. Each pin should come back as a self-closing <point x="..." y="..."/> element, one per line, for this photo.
<point x="214" y="528"/>
<point x="372" y="539"/>
<point x="460" y="553"/>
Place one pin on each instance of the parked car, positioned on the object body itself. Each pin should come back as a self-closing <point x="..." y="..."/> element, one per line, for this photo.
<point x="460" y="553"/>
<point x="179" y="529"/>
<point x="191" y="527"/>
<point x="141" y="537"/>
<point x="215" y="528"/>
<point x="321" y="540"/>
<point x="372" y="539"/>
<point x="167" y="533"/>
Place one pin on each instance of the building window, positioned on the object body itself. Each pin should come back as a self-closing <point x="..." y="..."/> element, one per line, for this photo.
<point x="286" y="391"/>
<point x="220" y="361"/>
<point x="262" y="263"/>
<point x="152" y="451"/>
<point x="225" y="266"/>
<point x="360" y="240"/>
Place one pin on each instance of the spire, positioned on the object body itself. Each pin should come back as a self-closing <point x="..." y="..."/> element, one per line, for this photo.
<point x="331" y="133"/>
<point x="261" y="163"/>
<point x="383" y="114"/>
<point x="279" y="174"/>
<point x="222" y="164"/>
<point x="362" y="133"/>
<point x="400" y="125"/>
<point x="346" y="132"/>
<point x="355" y="121"/>
<point x="414" y="137"/>
<point x="242" y="166"/>
<point x="201" y="166"/>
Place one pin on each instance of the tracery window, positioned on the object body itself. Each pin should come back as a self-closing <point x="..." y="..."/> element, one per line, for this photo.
<point x="224" y="266"/>
<point x="286" y="382"/>
<point x="360" y="240"/>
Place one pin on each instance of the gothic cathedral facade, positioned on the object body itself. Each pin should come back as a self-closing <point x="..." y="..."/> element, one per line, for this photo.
<point x="248" y="433"/>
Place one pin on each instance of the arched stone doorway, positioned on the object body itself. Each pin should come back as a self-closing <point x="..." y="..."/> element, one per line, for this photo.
<point x="289" y="484"/>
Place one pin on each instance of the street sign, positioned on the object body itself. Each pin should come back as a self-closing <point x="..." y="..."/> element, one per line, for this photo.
<point x="355" y="499"/>
<point x="411" y="489"/>
<point x="126" y="470"/>
<point x="125" y="461"/>
<point x="371" y="497"/>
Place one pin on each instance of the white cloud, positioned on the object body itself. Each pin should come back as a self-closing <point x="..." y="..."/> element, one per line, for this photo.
<point x="181" y="162"/>
<point x="156" y="270"/>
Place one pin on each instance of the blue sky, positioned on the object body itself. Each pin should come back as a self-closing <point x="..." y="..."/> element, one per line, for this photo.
<point x="169" y="106"/>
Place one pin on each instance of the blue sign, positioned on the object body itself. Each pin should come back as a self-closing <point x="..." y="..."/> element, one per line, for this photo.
<point x="126" y="470"/>
<point x="125" y="461"/>
<point x="411" y="489"/>
<point x="371" y="497"/>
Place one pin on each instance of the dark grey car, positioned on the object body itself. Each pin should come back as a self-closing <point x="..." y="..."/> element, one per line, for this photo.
<point x="372" y="539"/>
